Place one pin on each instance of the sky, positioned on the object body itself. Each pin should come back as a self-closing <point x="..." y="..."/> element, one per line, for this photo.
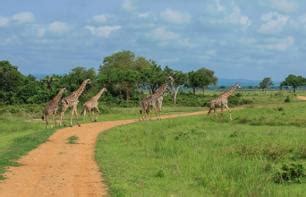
<point x="238" y="39"/>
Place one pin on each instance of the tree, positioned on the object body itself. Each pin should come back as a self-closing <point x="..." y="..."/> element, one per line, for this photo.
<point x="265" y="83"/>
<point x="151" y="76"/>
<point x="201" y="78"/>
<point x="120" y="72"/>
<point x="180" y="79"/>
<point x="10" y="82"/>
<point x="294" y="81"/>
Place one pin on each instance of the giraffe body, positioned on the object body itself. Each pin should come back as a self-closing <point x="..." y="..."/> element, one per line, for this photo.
<point x="93" y="103"/>
<point x="72" y="101"/>
<point x="222" y="100"/>
<point x="155" y="101"/>
<point x="52" y="107"/>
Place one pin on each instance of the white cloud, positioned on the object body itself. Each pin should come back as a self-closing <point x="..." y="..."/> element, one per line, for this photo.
<point x="237" y="18"/>
<point x="162" y="34"/>
<point x="144" y="15"/>
<point x="273" y="23"/>
<point x="58" y="27"/>
<point x="166" y="37"/>
<point x="176" y="17"/>
<point x="128" y="5"/>
<point x="103" y="31"/>
<point x="23" y="17"/>
<point x="284" y="5"/>
<point x="100" y="18"/>
<point x="4" y="21"/>
<point x="281" y="44"/>
<point x="219" y="6"/>
<point x="40" y="31"/>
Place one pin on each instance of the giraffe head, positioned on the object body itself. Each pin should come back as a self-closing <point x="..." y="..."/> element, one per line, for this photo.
<point x="63" y="90"/>
<point x="87" y="81"/>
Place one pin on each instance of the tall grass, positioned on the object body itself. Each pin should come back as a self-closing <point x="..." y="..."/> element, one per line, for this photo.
<point x="205" y="156"/>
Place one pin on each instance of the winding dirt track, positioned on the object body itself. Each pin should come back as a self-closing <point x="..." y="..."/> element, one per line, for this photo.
<point x="302" y="98"/>
<point x="56" y="168"/>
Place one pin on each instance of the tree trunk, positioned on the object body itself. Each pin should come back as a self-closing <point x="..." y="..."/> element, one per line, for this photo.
<point x="175" y="94"/>
<point x="294" y="89"/>
<point x="127" y="96"/>
<point x="194" y="90"/>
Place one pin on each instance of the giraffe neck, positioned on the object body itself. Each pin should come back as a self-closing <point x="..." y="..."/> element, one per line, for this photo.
<point x="229" y="92"/>
<point x="100" y="93"/>
<point x="160" y="91"/>
<point x="58" y="96"/>
<point x="77" y="93"/>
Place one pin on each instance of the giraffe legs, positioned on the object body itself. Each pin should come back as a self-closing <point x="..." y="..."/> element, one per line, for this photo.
<point x="230" y="112"/>
<point x="64" y="109"/>
<point x="54" y="120"/>
<point x="96" y="117"/>
<point x="46" y="120"/>
<point x="74" y="112"/>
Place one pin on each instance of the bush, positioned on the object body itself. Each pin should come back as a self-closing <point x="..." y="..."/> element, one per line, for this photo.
<point x="292" y="173"/>
<point x="287" y="99"/>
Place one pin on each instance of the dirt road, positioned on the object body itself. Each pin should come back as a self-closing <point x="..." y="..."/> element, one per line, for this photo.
<point x="57" y="168"/>
<point x="302" y="98"/>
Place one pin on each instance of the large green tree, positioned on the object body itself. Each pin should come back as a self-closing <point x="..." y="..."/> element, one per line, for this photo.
<point x="121" y="73"/>
<point x="201" y="78"/>
<point x="294" y="81"/>
<point x="265" y="83"/>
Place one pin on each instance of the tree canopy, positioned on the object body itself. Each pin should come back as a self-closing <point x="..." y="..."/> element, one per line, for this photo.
<point x="201" y="78"/>
<point x="265" y="83"/>
<point x="294" y="81"/>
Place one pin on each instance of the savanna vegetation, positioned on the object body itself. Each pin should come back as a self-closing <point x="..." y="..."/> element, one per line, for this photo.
<point x="259" y="153"/>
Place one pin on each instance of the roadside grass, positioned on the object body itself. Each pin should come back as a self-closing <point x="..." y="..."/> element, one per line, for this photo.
<point x="18" y="136"/>
<point x="290" y="114"/>
<point x="72" y="139"/>
<point x="208" y="156"/>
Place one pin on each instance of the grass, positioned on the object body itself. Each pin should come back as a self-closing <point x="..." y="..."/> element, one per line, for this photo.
<point x="208" y="156"/>
<point x="72" y="139"/>
<point x="18" y="136"/>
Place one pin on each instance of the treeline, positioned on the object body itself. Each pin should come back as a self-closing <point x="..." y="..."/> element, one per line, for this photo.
<point x="291" y="81"/>
<point x="126" y="76"/>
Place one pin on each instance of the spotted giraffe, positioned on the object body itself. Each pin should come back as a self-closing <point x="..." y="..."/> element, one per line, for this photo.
<point x="72" y="101"/>
<point x="155" y="100"/>
<point x="52" y="107"/>
<point x="92" y="104"/>
<point x="222" y="100"/>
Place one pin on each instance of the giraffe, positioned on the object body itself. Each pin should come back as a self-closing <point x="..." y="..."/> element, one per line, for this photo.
<point x="92" y="104"/>
<point x="155" y="100"/>
<point x="72" y="101"/>
<point x="52" y="107"/>
<point x="222" y="100"/>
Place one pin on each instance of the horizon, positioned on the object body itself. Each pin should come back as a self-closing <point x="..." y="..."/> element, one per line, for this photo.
<point x="236" y="39"/>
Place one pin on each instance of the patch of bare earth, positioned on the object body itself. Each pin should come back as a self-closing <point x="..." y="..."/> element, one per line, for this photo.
<point x="58" y="168"/>
<point x="302" y="98"/>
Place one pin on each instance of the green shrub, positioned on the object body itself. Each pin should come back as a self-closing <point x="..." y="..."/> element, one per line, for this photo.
<point x="292" y="173"/>
<point x="287" y="99"/>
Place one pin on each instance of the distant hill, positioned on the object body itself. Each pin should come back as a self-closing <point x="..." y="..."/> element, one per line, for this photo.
<point x="242" y="82"/>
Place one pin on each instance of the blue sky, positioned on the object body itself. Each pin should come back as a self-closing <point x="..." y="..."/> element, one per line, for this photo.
<point x="236" y="38"/>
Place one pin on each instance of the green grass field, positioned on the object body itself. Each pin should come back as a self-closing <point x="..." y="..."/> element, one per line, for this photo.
<point x="23" y="131"/>
<point x="192" y="156"/>
<point x="209" y="156"/>
<point x="19" y="135"/>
